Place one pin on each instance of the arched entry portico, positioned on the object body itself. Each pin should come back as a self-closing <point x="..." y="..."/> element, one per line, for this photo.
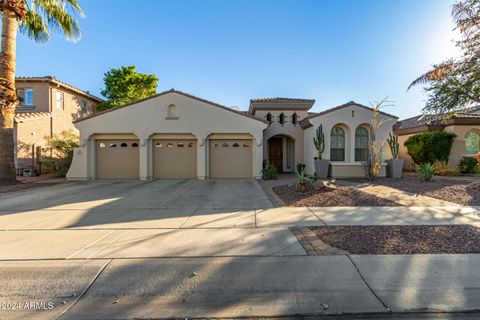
<point x="281" y="152"/>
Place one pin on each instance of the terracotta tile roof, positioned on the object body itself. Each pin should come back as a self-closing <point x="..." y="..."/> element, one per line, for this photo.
<point x="437" y="119"/>
<point x="25" y="116"/>
<point x="242" y="113"/>
<point x="281" y="100"/>
<point x="61" y="83"/>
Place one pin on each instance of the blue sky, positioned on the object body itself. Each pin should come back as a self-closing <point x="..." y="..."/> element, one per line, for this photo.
<point x="231" y="51"/>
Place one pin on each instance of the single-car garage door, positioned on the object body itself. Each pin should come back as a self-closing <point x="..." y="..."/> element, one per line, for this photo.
<point x="117" y="159"/>
<point x="174" y="159"/>
<point x="230" y="158"/>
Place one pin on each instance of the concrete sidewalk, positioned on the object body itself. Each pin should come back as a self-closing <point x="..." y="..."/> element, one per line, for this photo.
<point x="242" y="286"/>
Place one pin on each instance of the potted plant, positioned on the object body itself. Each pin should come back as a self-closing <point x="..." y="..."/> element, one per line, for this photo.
<point x="321" y="165"/>
<point x="394" y="165"/>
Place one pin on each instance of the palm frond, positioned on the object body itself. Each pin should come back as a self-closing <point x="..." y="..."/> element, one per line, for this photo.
<point x="34" y="27"/>
<point x="438" y="73"/>
<point x="58" y="15"/>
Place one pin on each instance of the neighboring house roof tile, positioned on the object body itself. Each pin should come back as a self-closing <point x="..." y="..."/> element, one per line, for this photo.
<point x="242" y="113"/>
<point x="435" y="120"/>
<point x="25" y="116"/>
<point x="54" y="80"/>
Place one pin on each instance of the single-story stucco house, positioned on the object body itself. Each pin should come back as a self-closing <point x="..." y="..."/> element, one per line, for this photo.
<point x="465" y="124"/>
<point x="176" y="135"/>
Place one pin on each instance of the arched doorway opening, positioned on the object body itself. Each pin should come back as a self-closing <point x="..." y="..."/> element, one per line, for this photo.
<point x="281" y="152"/>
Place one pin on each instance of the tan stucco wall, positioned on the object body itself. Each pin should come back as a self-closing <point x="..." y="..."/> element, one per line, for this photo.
<point x="29" y="134"/>
<point x="41" y="95"/>
<point x="295" y="132"/>
<point x="61" y="120"/>
<point x="408" y="165"/>
<point x="458" y="148"/>
<point x="147" y="118"/>
<point x="349" y="123"/>
<point x="353" y="170"/>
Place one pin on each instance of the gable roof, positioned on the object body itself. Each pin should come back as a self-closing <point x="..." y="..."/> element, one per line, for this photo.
<point x="55" y="81"/>
<point x="348" y="104"/>
<point x="425" y="122"/>
<point x="242" y="113"/>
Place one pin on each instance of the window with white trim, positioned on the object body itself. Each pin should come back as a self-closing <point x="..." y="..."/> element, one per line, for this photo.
<point x="59" y="99"/>
<point x="25" y="96"/>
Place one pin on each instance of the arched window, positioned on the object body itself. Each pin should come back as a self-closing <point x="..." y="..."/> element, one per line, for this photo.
<point x="172" y="111"/>
<point x="361" y="144"/>
<point x="337" y="144"/>
<point x="472" y="142"/>
<point x="269" y="118"/>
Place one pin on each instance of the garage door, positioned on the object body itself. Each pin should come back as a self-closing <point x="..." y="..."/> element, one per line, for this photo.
<point x="117" y="159"/>
<point x="175" y="159"/>
<point x="230" y="158"/>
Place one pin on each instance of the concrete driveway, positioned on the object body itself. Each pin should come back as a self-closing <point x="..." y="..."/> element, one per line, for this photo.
<point x="214" y="248"/>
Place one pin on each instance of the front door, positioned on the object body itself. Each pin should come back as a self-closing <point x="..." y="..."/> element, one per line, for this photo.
<point x="275" y="152"/>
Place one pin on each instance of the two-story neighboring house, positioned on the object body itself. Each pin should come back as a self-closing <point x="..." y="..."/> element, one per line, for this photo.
<point x="46" y="107"/>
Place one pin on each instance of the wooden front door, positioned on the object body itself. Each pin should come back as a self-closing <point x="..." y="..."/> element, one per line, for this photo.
<point x="275" y="152"/>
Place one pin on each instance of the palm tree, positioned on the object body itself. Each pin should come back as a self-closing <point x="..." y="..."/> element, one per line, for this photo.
<point x="33" y="18"/>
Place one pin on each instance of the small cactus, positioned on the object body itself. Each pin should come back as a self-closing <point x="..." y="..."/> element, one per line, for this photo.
<point x="319" y="141"/>
<point x="394" y="145"/>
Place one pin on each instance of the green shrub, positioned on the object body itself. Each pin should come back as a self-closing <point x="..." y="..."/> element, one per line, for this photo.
<point x="62" y="146"/>
<point x="443" y="169"/>
<point x="468" y="165"/>
<point x="426" y="171"/>
<point x="272" y="172"/>
<point x="430" y="146"/>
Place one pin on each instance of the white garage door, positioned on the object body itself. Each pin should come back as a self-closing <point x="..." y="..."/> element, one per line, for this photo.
<point x="230" y="158"/>
<point x="117" y="159"/>
<point x="175" y="159"/>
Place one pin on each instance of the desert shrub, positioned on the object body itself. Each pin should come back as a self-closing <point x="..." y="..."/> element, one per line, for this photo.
<point x="468" y="165"/>
<point x="62" y="146"/>
<point x="300" y="167"/>
<point x="426" y="171"/>
<point x="430" y="146"/>
<point x="441" y="168"/>
<point x="303" y="181"/>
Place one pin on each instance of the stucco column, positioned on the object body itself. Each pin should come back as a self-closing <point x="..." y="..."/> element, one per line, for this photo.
<point x="257" y="157"/>
<point x="350" y="156"/>
<point x="144" y="159"/>
<point x="201" y="157"/>
<point x="90" y="159"/>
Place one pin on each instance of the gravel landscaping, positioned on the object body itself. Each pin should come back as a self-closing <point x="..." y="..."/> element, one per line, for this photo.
<point x="342" y="196"/>
<point x="457" y="190"/>
<point x="401" y="239"/>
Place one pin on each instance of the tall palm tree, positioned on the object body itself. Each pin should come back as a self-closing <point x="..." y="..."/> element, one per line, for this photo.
<point x="33" y="18"/>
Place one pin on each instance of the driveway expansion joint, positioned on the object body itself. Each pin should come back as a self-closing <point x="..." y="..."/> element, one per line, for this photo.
<point x="387" y="308"/>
